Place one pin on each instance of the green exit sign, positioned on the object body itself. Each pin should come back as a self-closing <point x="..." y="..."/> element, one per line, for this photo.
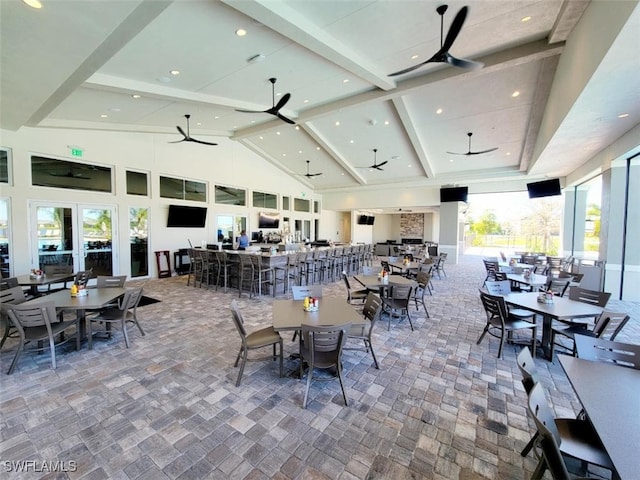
<point x="76" y="152"/>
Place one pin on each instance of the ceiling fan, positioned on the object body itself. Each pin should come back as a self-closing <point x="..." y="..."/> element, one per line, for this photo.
<point x="188" y="137"/>
<point x="376" y="165"/>
<point x="70" y="174"/>
<point x="474" y="153"/>
<point x="443" y="55"/>
<point x="275" y="110"/>
<point x="309" y="175"/>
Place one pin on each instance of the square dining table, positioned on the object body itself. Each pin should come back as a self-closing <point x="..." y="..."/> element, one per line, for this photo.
<point x="43" y="280"/>
<point x="95" y="299"/>
<point x="533" y="280"/>
<point x="562" y="308"/>
<point x="610" y="396"/>
<point x="332" y="311"/>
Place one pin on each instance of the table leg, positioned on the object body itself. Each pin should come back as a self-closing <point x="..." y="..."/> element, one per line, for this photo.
<point x="546" y="336"/>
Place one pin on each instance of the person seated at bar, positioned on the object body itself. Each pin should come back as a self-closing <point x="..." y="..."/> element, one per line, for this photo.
<point x="243" y="241"/>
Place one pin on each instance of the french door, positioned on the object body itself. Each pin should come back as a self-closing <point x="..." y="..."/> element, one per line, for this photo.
<point x="73" y="236"/>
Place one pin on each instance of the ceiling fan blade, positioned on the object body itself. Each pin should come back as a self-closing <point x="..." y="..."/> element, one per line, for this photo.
<point x="251" y="111"/>
<point x="309" y="175"/>
<point x="180" y="141"/>
<point x="463" y="63"/>
<point x="201" y="141"/>
<point x="483" y="151"/>
<point x="285" y="98"/>
<point x="457" y="153"/>
<point x="407" y="70"/>
<point x="282" y="117"/>
<point x="182" y="132"/>
<point x="454" y="29"/>
<point x="383" y="163"/>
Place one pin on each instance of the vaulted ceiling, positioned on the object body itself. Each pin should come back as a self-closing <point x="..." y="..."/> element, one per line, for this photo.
<point x="106" y="65"/>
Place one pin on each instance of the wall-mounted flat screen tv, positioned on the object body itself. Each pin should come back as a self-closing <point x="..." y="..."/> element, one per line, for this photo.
<point x="370" y="220"/>
<point x="186" y="217"/>
<point x="268" y="220"/>
<point x="454" y="194"/>
<point x="362" y="220"/>
<point x="545" y="188"/>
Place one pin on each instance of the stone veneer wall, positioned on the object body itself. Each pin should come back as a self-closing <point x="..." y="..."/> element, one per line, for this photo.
<point x="411" y="225"/>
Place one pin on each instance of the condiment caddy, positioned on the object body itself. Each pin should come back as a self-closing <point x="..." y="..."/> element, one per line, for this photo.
<point x="310" y="304"/>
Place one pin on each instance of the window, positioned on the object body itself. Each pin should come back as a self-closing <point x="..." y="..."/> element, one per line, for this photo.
<point x="230" y="195"/>
<point x="301" y="205"/>
<point x="5" y="252"/>
<point x="137" y="183"/>
<point x="4" y="165"/>
<point x="285" y="203"/>
<point x="316" y="207"/>
<point x="265" y="200"/>
<point x="51" y="172"/>
<point x="181" y="189"/>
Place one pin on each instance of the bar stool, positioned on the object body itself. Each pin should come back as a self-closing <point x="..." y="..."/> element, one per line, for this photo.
<point x="263" y="275"/>
<point x="245" y="273"/>
<point x="222" y="269"/>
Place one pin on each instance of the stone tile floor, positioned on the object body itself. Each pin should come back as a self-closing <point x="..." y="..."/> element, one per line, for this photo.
<point x="440" y="407"/>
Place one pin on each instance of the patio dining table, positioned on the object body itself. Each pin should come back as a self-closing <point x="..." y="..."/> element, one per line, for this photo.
<point x="43" y="280"/>
<point x="562" y="308"/>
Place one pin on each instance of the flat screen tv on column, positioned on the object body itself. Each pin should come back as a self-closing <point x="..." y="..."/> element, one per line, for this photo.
<point x="453" y="194"/>
<point x="545" y="188"/>
<point x="362" y="220"/>
<point x="186" y="217"/>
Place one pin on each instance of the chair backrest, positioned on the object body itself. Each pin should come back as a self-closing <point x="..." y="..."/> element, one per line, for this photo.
<point x="494" y="307"/>
<point x="503" y="256"/>
<point x="345" y="278"/>
<point x="400" y="292"/>
<point x="527" y="369"/>
<point x="601" y="350"/>
<point x="589" y="296"/>
<point x="501" y="287"/>
<point x="326" y="340"/>
<point x="372" y="308"/>
<point x="557" y="285"/>
<point x="12" y="296"/>
<point x="491" y="266"/>
<point x="423" y="278"/>
<point x="130" y="299"/>
<point x="7" y="283"/>
<point x="82" y="277"/>
<point x="116" y="281"/>
<point x="549" y="436"/>
<point x="609" y="324"/>
<point x="529" y="259"/>
<point x="238" y="321"/>
<point x="28" y="316"/>
<point x="301" y="291"/>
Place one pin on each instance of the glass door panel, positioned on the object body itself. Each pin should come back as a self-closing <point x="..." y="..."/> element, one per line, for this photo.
<point x="5" y="250"/>
<point x="54" y="228"/>
<point x="138" y="235"/>
<point x="97" y="240"/>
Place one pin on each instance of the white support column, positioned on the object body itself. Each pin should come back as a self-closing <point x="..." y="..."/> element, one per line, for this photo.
<point x="449" y="230"/>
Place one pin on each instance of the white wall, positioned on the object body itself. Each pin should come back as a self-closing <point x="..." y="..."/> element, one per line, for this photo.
<point x="229" y="164"/>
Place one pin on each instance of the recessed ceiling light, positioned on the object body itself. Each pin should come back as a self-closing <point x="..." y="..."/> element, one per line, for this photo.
<point x="508" y="153"/>
<point x="261" y="137"/>
<point x="136" y="96"/>
<point x="175" y="73"/>
<point x="439" y="111"/>
<point x="337" y="124"/>
<point x="306" y="101"/>
<point x="451" y="160"/>
<point x="241" y="32"/>
<point x="515" y="94"/>
<point x="346" y="80"/>
<point x="623" y="115"/>
<point x="409" y="165"/>
<point x="350" y="141"/>
<point x="33" y="3"/>
<point x="216" y="117"/>
<point x="413" y="57"/>
<point x="317" y="148"/>
<point x="199" y="123"/>
<point x="277" y="133"/>
<point x="525" y="19"/>
<point x="297" y="127"/>
<point x="300" y="151"/>
<point x="386" y="122"/>
<point x="104" y="115"/>
<point x="253" y="121"/>
<point x="342" y="174"/>
<point x="284" y="154"/>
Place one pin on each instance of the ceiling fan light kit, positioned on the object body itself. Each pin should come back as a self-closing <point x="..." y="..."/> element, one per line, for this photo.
<point x="443" y="55"/>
